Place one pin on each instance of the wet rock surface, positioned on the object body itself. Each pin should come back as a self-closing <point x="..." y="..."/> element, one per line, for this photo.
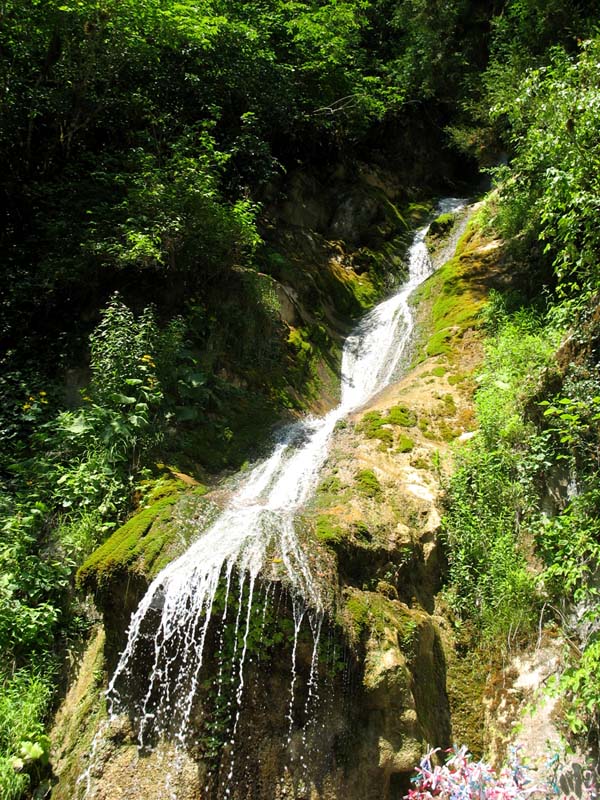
<point x="345" y="717"/>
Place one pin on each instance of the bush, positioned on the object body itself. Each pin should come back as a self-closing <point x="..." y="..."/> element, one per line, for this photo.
<point x="549" y="194"/>
<point x="24" y="748"/>
<point x="487" y="573"/>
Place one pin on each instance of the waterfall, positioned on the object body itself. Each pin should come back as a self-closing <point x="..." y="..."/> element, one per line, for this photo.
<point x="217" y="575"/>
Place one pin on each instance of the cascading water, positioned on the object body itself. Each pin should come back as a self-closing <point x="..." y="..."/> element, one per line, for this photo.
<point x="170" y="629"/>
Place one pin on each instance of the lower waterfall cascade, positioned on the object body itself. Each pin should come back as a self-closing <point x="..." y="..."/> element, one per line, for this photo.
<point x="202" y="607"/>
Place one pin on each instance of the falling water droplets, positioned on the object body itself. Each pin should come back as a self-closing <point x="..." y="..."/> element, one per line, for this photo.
<point x="173" y="620"/>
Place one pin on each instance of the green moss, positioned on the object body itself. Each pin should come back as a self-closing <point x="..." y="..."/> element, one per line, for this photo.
<point x="82" y="713"/>
<point x="466" y="683"/>
<point x="456" y="294"/>
<point x="449" y="404"/>
<point x="327" y="531"/>
<point x="442" y="225"/>
<point x="367" y="483"/>
<point x="405" y="444"/>
<point x="459" y="377"/>
<point x="357" y="607"/>
<point x="330" y="485"/>
<point x="361" y="532"/>
<point x="166" y="486"/>
<point x="380" y="611"/>
<point x="402" y="416"/>
<point x="372" y="425"/>
<point x="439" y="372"/>
<point x="351" y="294"/>
<point x="446" y="431"/>
<point x="387" y="590"/>
<point x="376" y="426"/>
<point x="371" y="421"/>
<point x="424" y="427"/>
<point x="417" y="213"/>
<point x="420" y="463"/>
<point x="301" y="346"/>
<point x="141" y="539"/>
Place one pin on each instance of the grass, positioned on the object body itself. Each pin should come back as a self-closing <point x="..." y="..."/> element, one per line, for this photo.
<point x="24" y="701"/>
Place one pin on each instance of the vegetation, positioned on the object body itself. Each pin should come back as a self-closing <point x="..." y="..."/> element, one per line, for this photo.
<point x="368" y="483"/>
<point x="145" y="149"/>
<point x="499" y="523"/>
<point x="536" y="413"/>
<point x="454" y="295"/>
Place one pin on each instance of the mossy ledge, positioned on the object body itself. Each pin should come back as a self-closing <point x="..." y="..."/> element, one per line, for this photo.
<point x="139" y="541"/>
<point x="120" y="570"/>
<point x="452" y="299"/>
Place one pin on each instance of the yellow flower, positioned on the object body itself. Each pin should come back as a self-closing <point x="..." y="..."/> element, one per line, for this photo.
<point x="43" y="394"/>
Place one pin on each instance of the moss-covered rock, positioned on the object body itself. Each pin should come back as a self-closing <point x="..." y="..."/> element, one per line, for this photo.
<point x="404" y="703"/>
<point x="137" y="544"/>
<point x="81" y="714"/>
<point x="120" y="570"/>
<point x="405" y="444"/>
<point x="368" y="483"/>
<point x="441" y="226"/>
<point x="454" y="296"/>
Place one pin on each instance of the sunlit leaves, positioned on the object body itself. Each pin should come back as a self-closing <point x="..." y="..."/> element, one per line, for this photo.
<point x="555" y="185"/>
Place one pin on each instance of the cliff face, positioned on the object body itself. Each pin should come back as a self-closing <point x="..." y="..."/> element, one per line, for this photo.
<point x="334" y="705"/>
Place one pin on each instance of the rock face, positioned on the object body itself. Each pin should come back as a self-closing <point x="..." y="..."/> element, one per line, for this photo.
<point x="347" y="718"/>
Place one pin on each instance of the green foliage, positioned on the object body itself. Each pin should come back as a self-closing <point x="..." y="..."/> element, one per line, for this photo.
<point x="135" y="139"/>
<point x="515" y="360"/>
<point x="494" y="497"/>
<point x="581" y="682"/>
<point x="24" y="747"/>
<point x="569" y="543"/>
<point x="570" y="546"/>
<point x="549" y="195"/>
<point x="489" y="581"/>
<point x="492" y="489"/>
<point x="73" y="479"/>
<point x="172" y="215"/>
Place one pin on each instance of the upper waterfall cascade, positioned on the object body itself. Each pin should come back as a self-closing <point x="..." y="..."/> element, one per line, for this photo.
<point x="171" y="625"/>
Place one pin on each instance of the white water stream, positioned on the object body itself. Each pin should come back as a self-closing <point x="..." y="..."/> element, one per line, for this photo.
<point x="172" y="621"/>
